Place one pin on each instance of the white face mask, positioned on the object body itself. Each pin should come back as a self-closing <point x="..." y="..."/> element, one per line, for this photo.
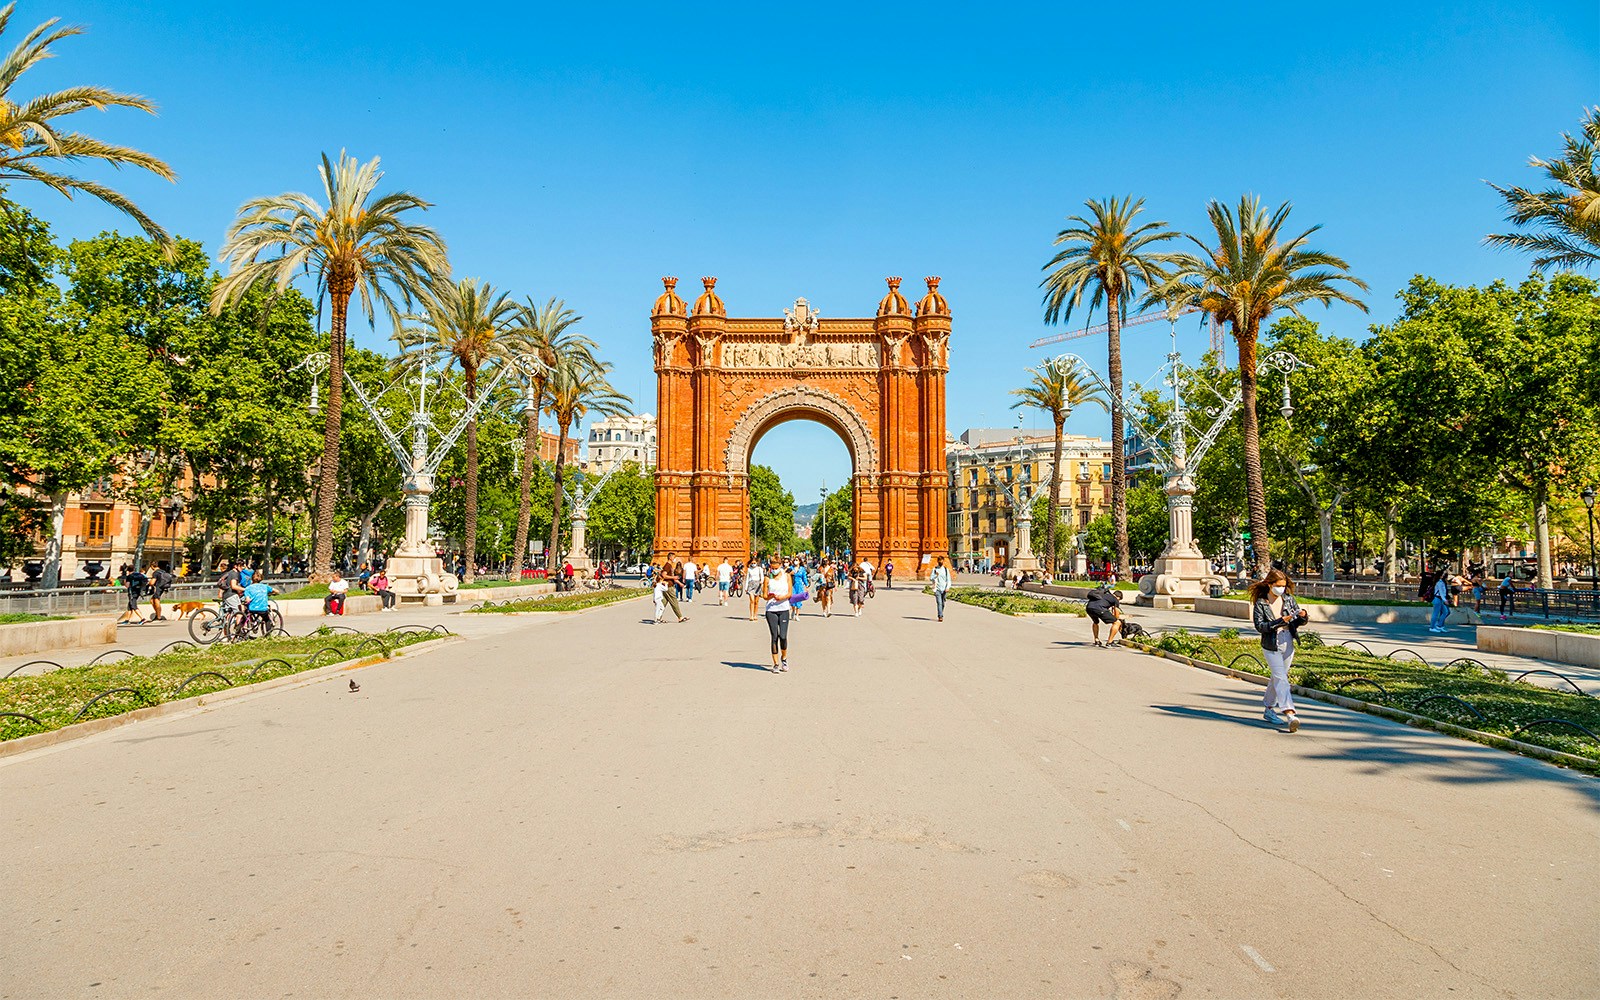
<point x="1277" y="591"/>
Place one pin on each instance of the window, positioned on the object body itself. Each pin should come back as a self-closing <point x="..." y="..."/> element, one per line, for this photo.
<point x="1083" y="493"/>
<point x="96" y="531"/>
<point x="1083" y="517"/>
<point x="1105" y="471"/>
<point x="974" y="523"/>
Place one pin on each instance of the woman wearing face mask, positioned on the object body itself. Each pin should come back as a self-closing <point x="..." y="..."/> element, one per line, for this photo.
<point x="1278" y="618"/>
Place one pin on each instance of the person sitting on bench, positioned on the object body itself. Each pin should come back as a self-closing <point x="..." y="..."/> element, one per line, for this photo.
<point x="338" y="587"/>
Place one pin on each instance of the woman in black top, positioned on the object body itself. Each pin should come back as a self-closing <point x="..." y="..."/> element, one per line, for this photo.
<point x="1278" y="618"/>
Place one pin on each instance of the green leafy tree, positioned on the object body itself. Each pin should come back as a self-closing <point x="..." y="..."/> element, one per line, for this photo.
<point x="623" y="514"/>
<point x="1253" y="271"/>
<point x="355" y="243"/>
<point x="1107" y="257"/>
<point x="36" y="140"/>
<point x="1057" y="393"/>
<point x="771" y="512"/>
<point x="1565" y="217"/>
<point x="837" y="513"/>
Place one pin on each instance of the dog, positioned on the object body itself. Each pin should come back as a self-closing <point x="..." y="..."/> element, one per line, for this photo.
<point x="1133" y="630"/>
<point x="187" y="608"/>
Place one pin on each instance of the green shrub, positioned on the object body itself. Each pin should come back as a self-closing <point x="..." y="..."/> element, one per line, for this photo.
<point x="1308" y="639"/>
<point x="1183" y="642"/>
<point x="1229" y="634"/>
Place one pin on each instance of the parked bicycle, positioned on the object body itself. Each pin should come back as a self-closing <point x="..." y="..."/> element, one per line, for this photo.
<point x="209" y="625"/>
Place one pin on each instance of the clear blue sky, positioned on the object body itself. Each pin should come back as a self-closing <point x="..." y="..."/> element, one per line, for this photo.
<point x="583" y="151"/>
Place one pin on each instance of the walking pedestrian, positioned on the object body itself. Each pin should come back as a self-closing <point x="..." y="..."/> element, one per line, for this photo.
<point x="1508" y="595"/>
<point x="133" y="582"/>
<point x="666" y="595"/>
<point x="160" y="580"/>
<point x="754" y="576"/>
<point x="825" y="582"/>
<point x="888" y="573"/>
<point x="1441" y="602"/>
<point x="690" y="576"/>
<point x="800" y="587"/>
<point x="1278" y="618"/>
<point x="858" y="588"/>
<point x="777" y="590"/>
<point x="724" y="581"/>
<point x="941" y="584"/>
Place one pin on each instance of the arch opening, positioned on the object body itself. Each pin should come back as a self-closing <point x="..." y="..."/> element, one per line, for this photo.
<point x="801" y="486"/>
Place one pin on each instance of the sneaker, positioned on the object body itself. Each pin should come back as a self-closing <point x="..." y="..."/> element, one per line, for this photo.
<point x="1098" y="644"/>
<point x="1294" y="722"/>
<point x="783" y="667"/>
<point x="1273" y="717"/>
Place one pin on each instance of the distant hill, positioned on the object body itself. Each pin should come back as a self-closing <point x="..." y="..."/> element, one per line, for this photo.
<point x="804" y="514"/>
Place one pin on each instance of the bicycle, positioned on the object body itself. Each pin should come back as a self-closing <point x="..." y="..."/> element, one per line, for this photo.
<point x="208" y="625"/>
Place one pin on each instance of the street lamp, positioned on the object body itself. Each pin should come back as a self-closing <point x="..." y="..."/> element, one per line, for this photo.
<point x="823" y="510"/>
<point x="1588" y="503"/>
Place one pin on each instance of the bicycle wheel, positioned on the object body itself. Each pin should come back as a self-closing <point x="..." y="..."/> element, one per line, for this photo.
<point x="205" y="626"/>
<point x="275" y="624"/>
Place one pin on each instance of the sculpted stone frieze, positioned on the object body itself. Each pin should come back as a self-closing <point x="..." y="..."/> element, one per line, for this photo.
<point x="812" y="354"/>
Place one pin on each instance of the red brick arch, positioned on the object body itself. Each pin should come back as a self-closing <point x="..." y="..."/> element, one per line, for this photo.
<point x="878" y="383"/>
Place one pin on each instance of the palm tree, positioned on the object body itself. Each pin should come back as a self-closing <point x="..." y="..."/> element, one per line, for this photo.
<point x="472" y="323"/>
<point x="546" y="333"/>
<point x="1107" y="257"/>
<point x="577" y="390"/>
<point x="1254" y="271"/>
<point x="358" y="243"/>
<point x="1568" y="213"/>
<point x="31" y="145"/>
<point x="1057" y="393"/>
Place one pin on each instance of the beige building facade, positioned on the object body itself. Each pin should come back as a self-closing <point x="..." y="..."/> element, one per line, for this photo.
<point x="981" y="522"/>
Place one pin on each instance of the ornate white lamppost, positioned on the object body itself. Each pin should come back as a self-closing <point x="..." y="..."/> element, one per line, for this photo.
<point x="1020" y="497"/>
<point x="416" y="573"/>
<point x="578" y="500"/>
<point x="1183" y="571"/>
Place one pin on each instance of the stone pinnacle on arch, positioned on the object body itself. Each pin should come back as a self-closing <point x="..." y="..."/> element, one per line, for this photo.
<point x="709" y="304"/>
<point x="894" y="304"/>
<point x="669" y="304"/>
<point x="933" y="304"/>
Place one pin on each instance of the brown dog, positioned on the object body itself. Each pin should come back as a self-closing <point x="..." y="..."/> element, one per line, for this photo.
<point x="186" y="608"/>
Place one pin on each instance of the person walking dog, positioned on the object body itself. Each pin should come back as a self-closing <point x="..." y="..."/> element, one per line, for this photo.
<point x="940" y="578"/>
<point x="1278" y="618"/>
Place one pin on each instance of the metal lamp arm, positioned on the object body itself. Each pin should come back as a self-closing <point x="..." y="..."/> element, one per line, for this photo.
<point x="401" y="452"/>
<point x="1209" y="438"/>
<point x="447" y="442"/>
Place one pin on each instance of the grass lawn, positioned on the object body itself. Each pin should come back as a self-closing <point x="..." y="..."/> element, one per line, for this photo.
<point x="1010" y="602"/>
<point x="24" y="617"/>
<point x="1244" y="595"/>
<point x="482" y="584"/>
<point x="1584" y="629"/>
<point x="562" y="602"/>
<point x="309" y="590"/>
<point x="57" y="697"/>
<point x="1505" y="705"/>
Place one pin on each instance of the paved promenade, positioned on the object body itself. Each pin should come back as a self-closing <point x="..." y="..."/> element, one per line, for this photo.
<point x="592" y="806"/>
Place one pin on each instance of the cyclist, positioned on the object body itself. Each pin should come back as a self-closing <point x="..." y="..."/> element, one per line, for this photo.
<point x="228" y="588"/>
<point x="258" y="608"/>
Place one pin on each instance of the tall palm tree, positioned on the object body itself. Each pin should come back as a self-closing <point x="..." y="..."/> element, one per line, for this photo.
<point x="1253" y="271"/>
<point x="33" y="148"/>
<point x="1108" y="257"/>
<point x="546" y="333"/>
<point x="1057" y="393"/>
<point x="1566" y="215"/>
<point x="357" y="243"/>
<point x="472" y="323"/>
<point x="577" y="390"/>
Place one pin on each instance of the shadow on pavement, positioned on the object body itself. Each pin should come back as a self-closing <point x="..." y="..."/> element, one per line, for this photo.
<point x="1379" y="747"/>
<point x="763" y="667"/>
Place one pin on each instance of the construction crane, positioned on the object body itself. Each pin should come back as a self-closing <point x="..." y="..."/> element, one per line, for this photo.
<point x="1150" y="317"/>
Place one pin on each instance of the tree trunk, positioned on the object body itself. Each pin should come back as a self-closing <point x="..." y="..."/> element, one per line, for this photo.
<point x="51" y="576"/>
<point x="1119" y="472"/>
<point x="1325" y="521"/>
<point x="1541" y="520"/>
<point x="1255" y="489"/>
<point x="364" y="546"/>
<point x="328" y="470"/>
<point x="206" y="543"/>
<point x="530" y="460"/>
<point x="141" y="539"/>
<point x="1391" y="543"/>
<point x="1055" y="494"/>
<point x="469" y="527"/>
<point x="551" y="554"/>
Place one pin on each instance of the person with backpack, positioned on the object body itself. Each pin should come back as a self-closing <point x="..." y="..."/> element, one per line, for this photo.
<point x="134" y="582"/>
<point x="160" y="581"/>
<point x="1103" y="605"/>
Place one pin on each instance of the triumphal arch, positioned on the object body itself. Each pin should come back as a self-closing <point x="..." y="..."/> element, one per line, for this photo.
<point x="878" y="383"/>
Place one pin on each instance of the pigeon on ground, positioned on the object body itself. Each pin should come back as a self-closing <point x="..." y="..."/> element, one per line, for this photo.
<point x="354" y="686"/>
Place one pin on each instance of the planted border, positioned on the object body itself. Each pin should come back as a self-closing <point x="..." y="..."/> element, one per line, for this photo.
<point x="1011" y="602"/>
<point x="559" y="602"/>
<point x="37" y="703"/>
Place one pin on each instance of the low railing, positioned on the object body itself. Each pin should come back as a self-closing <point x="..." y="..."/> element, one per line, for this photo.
<point x="94" y="600"/>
